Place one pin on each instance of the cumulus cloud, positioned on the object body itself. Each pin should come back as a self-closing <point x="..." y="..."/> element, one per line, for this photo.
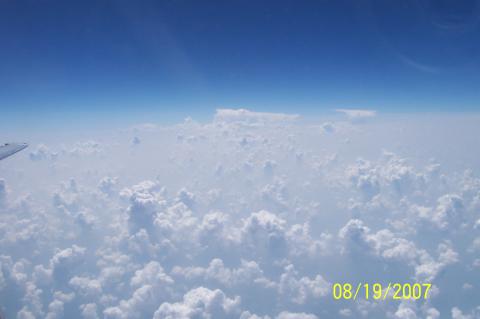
<point x="200" y="303"/>
<point x="252" y="215"/>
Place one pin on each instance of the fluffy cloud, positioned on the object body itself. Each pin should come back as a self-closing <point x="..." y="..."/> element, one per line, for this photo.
<point x="200" y="303"/>
<point x="252" y="216"/>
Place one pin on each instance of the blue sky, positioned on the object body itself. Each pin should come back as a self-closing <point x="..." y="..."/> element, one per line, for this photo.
<point x="171" y="58"/>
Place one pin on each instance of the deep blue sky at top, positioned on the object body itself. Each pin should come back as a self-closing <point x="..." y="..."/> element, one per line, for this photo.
<point x="190" y="56"/>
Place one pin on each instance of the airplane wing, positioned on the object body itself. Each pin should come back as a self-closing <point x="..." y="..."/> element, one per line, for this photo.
<point x="8" y="149"/>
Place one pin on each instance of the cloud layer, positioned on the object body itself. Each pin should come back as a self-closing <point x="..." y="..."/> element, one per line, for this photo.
<point x="253" y="215"/>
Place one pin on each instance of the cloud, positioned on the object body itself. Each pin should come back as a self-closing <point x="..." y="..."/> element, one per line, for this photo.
<point x="148" y="127"/>
<point x="299" y="290"/>
<point x="290" y="315"/>
<point x="357" y="114"/>
<point x="250" y="117"/>
<point x="41" y="152"/>
<point x="200" y="303"/>
<point x="89" y="311"/>
<point x="56" y="307"/>
<point x="252" y="216"/>
<point x="458" y="314"/>
<point x="3" y="193"/>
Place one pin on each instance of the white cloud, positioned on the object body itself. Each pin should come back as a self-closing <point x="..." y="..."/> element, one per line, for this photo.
<point x="357" y="114"/>
<point x="458" y="314"/>
<point x="201" y="303"/>
<point x="300" y="290"/>
<point x="56" y="307"/>
<point x="406" y="311"/>
<point x="89" y="311"/>
<point x="149" y="284"/>
<point x="291" y="315"/>
<point x="252" y="216"/>
<point x="86" y="286"/>
<point x="41" y="152"/>
<point x="250" y="117"/>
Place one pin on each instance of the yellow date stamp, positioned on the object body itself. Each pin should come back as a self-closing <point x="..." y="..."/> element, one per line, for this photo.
<point x="378" y="291"/>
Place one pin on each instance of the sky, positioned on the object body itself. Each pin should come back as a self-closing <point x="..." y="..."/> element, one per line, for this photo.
<point x="237" y="159"/>
<point x="117" y="60"/>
